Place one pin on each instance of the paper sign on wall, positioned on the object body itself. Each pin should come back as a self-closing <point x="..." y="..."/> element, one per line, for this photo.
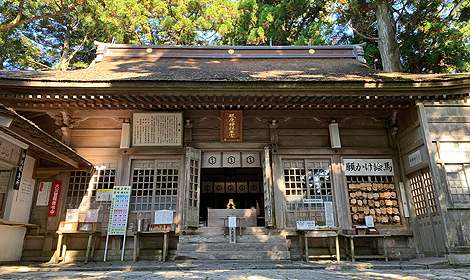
<point x="72" y="215"/>
<point x="91" y="216"/>
<point x="25" y="192"/>
<point x="306" y="225"/>
<point x="104" y="195"/>
<point x="44" y="193"/>
<point x="163" y="217"/>
<point x="4" y="180"/>
<point x="369" y="221"/>
<point x="329" y="216"/>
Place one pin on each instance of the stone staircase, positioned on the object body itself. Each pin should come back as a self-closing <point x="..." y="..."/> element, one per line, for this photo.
<point x="209" y="243"/>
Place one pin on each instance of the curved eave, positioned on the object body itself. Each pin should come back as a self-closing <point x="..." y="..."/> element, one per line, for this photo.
<point x="43" y="144"/>
<point x="19" y="86"/>
<point x="248" y="95"/>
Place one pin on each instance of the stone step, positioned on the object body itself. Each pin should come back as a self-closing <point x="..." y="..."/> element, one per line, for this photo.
<point x="210" y="231"/>
<point x="242" y="239"/>
<point x="233" y="247"/>
<point x="234" y="255"/>
<point x="209" y="243"/>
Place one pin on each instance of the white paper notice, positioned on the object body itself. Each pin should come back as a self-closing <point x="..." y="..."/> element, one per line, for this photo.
<point x="4" y="179"/>
<point x="163" y="217"/>
<point x="329" y="216"/>
<point x="44" y="194"/>
<point x="307" y="225"/>
<point x="369" y="221"/>
<point x="25" y="192"/>
<point x="232" y="221"/>
<point x="104" y="195"/>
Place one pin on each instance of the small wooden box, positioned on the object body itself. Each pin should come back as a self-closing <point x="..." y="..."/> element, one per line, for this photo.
<point x="89" y="226"/>
<point x="68" y="226"/>
<point x="361" y="230"/>
<point x="372" y="231"/>
<point x="163" y="227"/>
<point x="349" y="231"/>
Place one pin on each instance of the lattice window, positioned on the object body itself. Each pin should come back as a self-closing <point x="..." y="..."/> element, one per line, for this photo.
<point x="454" y="151"/>
<point x="417" y="192"/>
<point x="458" y="182"/>
<point x="429" y="189"/>
<point x="143" y="176"/>
<point x="81" y="183"/>
<point x="155" y="185"/>
<point x="312" y="182"/>
<point x="103" y="179"/>
<point x="193" y="182"/>
<point x="166" y="188"/>
<point x="296" y="187"/>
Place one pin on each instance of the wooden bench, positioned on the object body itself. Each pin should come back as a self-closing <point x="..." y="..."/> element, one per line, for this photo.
<point x="320" y="233"/>
<point x="61" y="250"/>
<point x="376" y="238"/>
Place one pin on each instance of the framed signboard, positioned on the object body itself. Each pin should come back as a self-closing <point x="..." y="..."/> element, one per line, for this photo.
<point x="118" y="215"/>
<point x="373" y="167"/>
<point x="231" y="126"/>
<point x="157" y="129"/>
<point x="119" y="210"/>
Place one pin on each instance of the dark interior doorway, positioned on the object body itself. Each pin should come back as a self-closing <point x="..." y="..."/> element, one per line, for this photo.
<point x="243" y="185"/>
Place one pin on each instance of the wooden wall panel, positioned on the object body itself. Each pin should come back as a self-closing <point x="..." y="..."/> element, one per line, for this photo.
<point x="305" y="142"/>
<point x="94" y="123"/>
<point x="96" y="138"/>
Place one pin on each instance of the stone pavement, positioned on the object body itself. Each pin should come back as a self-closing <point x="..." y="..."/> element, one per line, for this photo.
<point x="235" y="270"/>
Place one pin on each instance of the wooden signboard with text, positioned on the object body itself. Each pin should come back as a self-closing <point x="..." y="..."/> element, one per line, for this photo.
<point x="231" y="126"/>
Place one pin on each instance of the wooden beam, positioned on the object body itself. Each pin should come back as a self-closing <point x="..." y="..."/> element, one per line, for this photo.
<point x="62" y="169"/>
<point x="44" y="148"/>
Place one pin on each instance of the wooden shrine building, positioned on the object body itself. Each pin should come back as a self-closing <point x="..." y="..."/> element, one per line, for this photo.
<point x="277" y="134"/>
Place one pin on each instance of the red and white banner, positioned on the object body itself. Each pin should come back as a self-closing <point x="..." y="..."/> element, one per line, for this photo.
<point x="54" y="203"/>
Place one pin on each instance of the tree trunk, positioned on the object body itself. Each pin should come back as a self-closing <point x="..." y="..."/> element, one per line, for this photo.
<point x="388" y="45"/>
<point x="64" y="60"/>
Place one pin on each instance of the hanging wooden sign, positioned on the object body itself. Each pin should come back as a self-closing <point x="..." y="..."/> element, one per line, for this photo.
<point x="231" y="126"/>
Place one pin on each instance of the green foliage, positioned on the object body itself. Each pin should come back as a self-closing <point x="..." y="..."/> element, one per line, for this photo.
<point x="433" y="35"/>
<point x="65" y="40"/>
<point x="283" y="22"/>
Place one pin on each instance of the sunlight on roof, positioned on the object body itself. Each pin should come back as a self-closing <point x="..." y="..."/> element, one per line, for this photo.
<point x="275" y="73"/>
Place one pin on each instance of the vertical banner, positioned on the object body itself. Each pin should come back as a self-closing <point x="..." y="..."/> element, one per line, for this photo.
<point x="19" y="172"/>
<point x="231" y="126"/>
<point x="53" y="204"/>
<point x="267" y="186"/>
<point x="119" y="210"/>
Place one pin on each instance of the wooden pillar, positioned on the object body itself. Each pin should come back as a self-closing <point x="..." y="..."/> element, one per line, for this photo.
<point x="343" y="214"/>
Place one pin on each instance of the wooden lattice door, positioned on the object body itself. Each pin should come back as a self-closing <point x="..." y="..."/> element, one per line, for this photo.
<point x="429" y="225"/>
<point x="193" y="186"/>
